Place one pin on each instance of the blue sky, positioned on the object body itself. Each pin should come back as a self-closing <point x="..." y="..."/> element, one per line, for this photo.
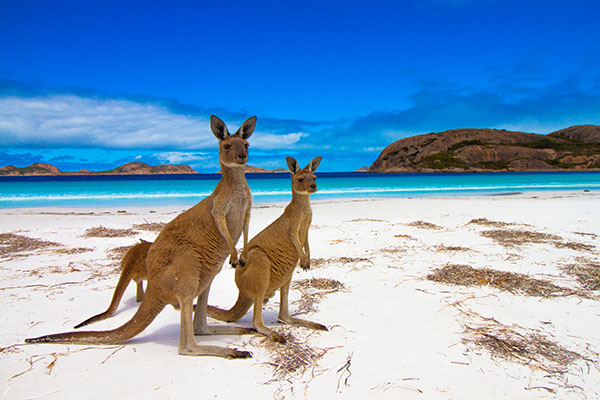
<point x="93" y="85"/>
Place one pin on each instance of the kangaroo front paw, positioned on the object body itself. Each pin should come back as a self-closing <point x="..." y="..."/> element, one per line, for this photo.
<point x="233" y="260"/>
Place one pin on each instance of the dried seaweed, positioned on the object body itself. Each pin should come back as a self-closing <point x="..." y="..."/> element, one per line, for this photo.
<point x="425" y="225"/>
<point x="150" y="226"/>
<point x="444" y="249"/>
<point x="512" y="282"/>
<point x="513" y="237"/>
<point x="526" y="348"/>
<point x="75" y="250"/>
<point x="574" y="246"/>
<point x="586" y="273"/>
<point x="487" y="222"/>
<point x="313" y="290"/>
<point x="319" y="262"/>
<point x="101" y="231"/>
<point x="11" y="243"/>
<point x="292" y="359"/>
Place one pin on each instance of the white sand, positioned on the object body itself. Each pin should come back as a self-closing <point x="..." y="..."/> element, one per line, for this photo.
<point x="403" y="335"/>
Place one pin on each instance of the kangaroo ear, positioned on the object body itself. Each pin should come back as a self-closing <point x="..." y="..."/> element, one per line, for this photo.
<point x="292" y="164"/>
<point x="247" y="128"/>
<point x="218" y="127"/>
<point x="312" y="166"/>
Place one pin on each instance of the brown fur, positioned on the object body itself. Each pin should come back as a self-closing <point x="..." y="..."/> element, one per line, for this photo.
<point x="133" y="268"/>
<point x="188" y="253"/>
<point x="272" y="256"/>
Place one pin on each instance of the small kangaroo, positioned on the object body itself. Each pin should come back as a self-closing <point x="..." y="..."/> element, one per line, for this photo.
<point x="188" y="253"/>
<point x="272" y="255"/>
<point x="133" y="267"/>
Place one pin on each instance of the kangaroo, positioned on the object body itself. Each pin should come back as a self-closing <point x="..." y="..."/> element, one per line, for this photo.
<point x="133" y="267"/>
<point x="188" y="253"/>
<point x="272" y="255"/>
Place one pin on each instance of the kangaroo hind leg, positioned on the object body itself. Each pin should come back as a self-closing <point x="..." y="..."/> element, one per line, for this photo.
<point x="284" y="314"/>
<point x="202" y="328"/>
<point x="187" y="342"/>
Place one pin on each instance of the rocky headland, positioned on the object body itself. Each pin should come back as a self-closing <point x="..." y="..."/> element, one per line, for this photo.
<point x="484" y="150"/>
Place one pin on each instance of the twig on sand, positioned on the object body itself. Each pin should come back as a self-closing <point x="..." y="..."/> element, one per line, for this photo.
<point x="345" y="369"/>
<point x="113" y="353"/>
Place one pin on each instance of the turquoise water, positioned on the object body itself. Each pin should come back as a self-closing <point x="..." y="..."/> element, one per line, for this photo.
<point x="186" y="190"/>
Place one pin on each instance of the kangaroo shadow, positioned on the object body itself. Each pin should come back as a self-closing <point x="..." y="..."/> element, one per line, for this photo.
<point x="168" y="335"/>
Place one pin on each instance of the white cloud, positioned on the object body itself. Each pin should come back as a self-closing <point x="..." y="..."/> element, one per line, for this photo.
<point x="269" y="141"/>
<point x="372" y="149"/>
<point x="68" y="120"/>
<point x="175" y="157"/>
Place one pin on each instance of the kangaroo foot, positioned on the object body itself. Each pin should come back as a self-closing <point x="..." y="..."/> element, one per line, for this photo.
<point x="222" y="330"/>
<point x="303" y="323"/>
<point x="214" y="351"/>
<point x="271" y="333"/>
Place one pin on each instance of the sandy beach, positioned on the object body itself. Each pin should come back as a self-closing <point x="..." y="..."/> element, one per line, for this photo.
<point x="493" y="297"/>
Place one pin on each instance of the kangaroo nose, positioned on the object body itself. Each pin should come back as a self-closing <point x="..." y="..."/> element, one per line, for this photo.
<point x="242" y="155"/>
<point x="313" y="186"/>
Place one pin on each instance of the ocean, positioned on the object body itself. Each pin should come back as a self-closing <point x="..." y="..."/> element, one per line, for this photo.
<point x="187" y="190"/>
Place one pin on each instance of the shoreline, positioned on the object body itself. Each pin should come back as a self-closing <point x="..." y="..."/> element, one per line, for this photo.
<point x="393" y="330"/>
<point x="531" y="194"/>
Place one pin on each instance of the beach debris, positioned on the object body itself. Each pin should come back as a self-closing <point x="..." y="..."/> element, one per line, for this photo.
<point x="587" y="273"/>
<point x="290" y="360"/>
<point x="11" y="243"/>
<point x="366" y="220"/>
<point x="487" y="222"/>
<point x="512" y="282"/>
<point x="424" y="225"/>
<point x="150" y="226"/>
<point x="522" y="346"/>
<point x="101" y="231"/>
<point x="444" y="249"/>
<point x="574" y="246"/>
<point x="345" y="372"/>
<point x="319" y="262"/>
<point x="514" y="237"/>
<point x="591" y="235"/>
<point x="75" y="250"/>
<point x="313" y="290"/>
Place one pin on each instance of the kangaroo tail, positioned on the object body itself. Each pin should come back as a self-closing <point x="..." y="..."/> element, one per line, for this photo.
<point x="240" y="308"/>
<point x="148" y="310"/>
<point x="114" y="303"/>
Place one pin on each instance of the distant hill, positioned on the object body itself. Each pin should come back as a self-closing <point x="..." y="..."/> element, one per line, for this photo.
<point x="464" y="150"/>
<point x="134" y="168"/>
<point x="258" y="170"/>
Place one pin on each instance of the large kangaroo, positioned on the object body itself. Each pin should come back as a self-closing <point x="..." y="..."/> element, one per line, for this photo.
<point x="187" y="255"/>
<point x="133" y="268"/>
<point x="272" y="255"/>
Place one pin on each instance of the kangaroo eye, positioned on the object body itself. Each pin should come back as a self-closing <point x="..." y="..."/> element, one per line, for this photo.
<point x="300" y="179"/>
<point x="247" y="145"/>
<point x="227" y="146"/>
